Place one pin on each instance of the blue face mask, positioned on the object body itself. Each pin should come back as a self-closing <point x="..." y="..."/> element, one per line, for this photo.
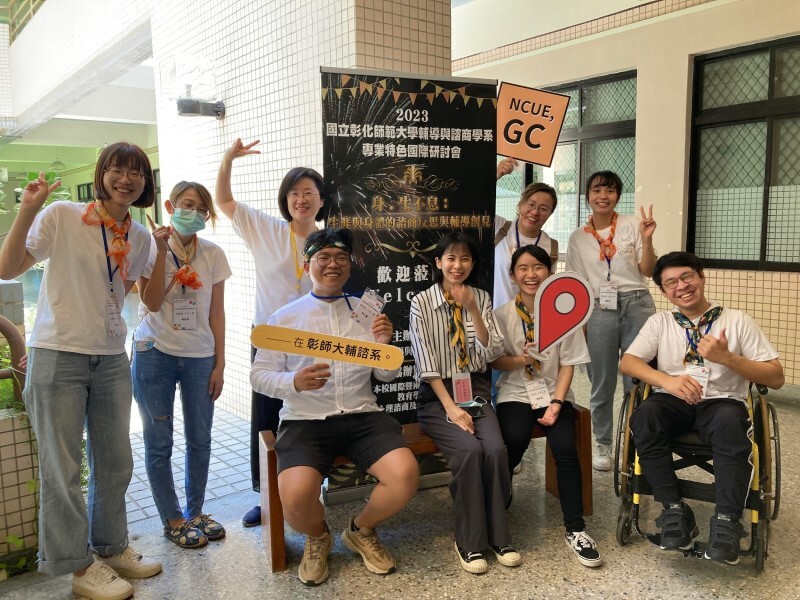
<point x="187" y="221"/>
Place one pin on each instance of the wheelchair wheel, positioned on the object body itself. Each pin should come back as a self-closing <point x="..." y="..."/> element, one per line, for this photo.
<point x="624" y="522"/>
<point x="762" y="543"/>
<point x="775" y="444"/>
<point x="621" y="427"/>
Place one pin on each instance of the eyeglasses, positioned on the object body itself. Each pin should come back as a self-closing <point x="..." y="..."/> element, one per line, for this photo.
<point x="203" y="212"/>
<point x="132" y="174"/>
<point x="323" y="260"/>
<point x="307" y="196"/>
<point x="671" y="284"/>
<point x="540" y="208"/>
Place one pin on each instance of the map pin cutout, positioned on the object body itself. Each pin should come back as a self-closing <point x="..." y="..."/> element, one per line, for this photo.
<point x="563" y="304"/>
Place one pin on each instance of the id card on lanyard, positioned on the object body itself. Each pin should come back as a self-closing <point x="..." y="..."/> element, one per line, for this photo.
<point x="184" y="306"/>
<point x="608" y="291"/>
<point x="115" y="326"/>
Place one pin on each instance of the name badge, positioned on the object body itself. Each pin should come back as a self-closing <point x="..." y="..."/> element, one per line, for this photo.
<point x="462" y="388"/>
<point x="538" y="394"/>
<point x="184" y="312"/>
<point x="608" y="295"/>
<point x="700" y="374"/>
<point x="369" y="306"/>
<point x="116" y="326"/>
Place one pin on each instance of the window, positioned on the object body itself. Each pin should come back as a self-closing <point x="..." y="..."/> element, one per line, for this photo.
<point x="744" y="204"/>
<point x="598" y="134"/>
<point x="85" y="192"/>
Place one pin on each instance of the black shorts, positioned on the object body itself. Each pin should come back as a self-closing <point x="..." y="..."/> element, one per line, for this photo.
<point x="363" y="437"/>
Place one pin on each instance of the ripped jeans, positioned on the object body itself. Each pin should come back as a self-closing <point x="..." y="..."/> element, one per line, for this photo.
<point x="155" y="375"/>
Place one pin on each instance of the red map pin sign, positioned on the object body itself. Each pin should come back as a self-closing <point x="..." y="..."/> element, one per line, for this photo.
<point x="563" y="304"/>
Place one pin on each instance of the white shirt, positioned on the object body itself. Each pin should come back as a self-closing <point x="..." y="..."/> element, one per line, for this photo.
<point x="71" y="310"/>
<point x="583" y="256"/>
<point x="276" y="262"/>
<point x="429" y="326"/>
<point x="571" y="350"/>
<point x="212" y="267"/>
<point x="349" y="388"/>
<point x="504" y="288"/>
<point x="663" y="336"/>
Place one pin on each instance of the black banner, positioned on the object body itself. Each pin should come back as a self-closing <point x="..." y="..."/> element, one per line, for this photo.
<point x="407" y="160"/>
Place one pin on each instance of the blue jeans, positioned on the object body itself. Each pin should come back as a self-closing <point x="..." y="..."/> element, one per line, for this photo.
<point x="64" y="392"/>
<point x="155" y="375"/>
<point x="608" y="335"/>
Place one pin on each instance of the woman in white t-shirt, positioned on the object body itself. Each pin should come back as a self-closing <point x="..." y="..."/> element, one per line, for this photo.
<point x="181" y="340"/>
<point x="532" y="391"/>
<point x="78" y="373"/>
<point x="614" y="253"/>
<point x="277" y="247"/>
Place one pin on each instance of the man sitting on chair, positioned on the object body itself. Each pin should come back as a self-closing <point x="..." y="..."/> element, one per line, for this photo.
<point x="330" y="410"/>
<point x="706" y="356"/>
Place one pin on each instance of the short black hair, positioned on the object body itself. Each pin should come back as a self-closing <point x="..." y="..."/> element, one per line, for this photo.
<point x="290" y="180"/>
<point x="676" y="259"/>
<point x="126" y="156"/>
<point x="536" y="252"/>
<point x="328" y="238"/>
<point x="456" y="238"/>
<point x="606" y="178"/>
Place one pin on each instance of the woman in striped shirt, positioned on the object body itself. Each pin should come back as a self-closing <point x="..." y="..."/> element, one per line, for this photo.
<point x="453" y="337"/>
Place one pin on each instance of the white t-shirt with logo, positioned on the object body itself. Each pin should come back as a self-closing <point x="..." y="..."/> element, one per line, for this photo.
<point x="504" y="288"/>
<point x="212" y="267"/>
<point x="71" y="310"/>
<point x="664" y="337"/>
<point x="571" y="350"/>
<point x="583" y="256"/>
<point x="276" y="261"/>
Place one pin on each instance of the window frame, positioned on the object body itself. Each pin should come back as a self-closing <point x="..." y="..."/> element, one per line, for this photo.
<point x="770" y="110"/>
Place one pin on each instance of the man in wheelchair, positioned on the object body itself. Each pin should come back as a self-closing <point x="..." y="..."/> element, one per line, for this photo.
<point x="706" y="356"/>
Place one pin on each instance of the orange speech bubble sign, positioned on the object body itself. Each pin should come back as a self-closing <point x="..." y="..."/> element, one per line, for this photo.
<point x="529" y="122"/>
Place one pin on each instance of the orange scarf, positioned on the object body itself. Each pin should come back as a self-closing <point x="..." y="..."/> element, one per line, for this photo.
<point x="96" y="214"/>
<point x="607" y="247"/>
<point x="186" y="275"/>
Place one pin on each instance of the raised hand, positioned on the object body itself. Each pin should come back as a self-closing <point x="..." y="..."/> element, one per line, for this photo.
<point x="37" y="192"/>
<point x="160" y="235"/>
<point x="463" y="295"/>
<point x="505" y="166"/>
<point x="382" y="329"/>
<point x="714" y="349"/>
<point x="239" y="149"/>
<point x="647" y="227"/>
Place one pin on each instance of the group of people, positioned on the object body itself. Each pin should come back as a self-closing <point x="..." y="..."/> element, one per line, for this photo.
<point x="79" y="374"/>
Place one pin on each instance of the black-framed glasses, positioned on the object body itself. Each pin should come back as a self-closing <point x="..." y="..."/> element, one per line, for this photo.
<point x="203" y="212"/>
<point x="323" y="260"/>
<point x="307" y="196"/>
<point x="671" y="284"/>
<point x="133" y="174"/>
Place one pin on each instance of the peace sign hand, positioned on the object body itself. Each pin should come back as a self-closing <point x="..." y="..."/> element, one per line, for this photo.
<point x="648" y="224"/>
<point x="239" y="149"/>
<point x="37" y="191"/>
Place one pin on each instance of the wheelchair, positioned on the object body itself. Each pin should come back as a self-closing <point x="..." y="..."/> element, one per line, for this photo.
<point x="763" y="500"/>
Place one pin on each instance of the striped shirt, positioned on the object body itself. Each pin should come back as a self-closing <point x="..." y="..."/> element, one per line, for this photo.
<point x="429" y="325"/>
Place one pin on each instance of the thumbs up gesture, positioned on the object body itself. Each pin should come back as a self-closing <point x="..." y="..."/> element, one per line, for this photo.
<point x="714" y="349"/>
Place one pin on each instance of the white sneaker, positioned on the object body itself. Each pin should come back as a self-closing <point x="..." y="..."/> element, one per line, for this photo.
<point x="132" y="564"/>
<point x="601" y="461"/>
<point x="101" y="582"/>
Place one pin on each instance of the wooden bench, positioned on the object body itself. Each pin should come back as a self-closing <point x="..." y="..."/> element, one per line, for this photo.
<point x="272" y="525"/>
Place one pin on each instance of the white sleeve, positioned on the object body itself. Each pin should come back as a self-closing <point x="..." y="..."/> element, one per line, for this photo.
<point x="645" y="346"/>
<point x="42" y="233"/>
<point x="269" y="374"/>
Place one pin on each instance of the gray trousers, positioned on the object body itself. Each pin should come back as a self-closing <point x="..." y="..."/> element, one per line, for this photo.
<point x="481" y="484"/>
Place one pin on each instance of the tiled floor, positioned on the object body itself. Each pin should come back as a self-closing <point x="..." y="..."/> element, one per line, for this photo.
<point x="421" y="539"/>
<point x="229" y="471"/>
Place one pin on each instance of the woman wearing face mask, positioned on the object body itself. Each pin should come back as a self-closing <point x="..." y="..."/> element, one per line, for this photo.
<point x="181" y="340"/>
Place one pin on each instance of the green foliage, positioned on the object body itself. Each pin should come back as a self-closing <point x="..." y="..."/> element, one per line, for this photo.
<point x="60" y="193"/>
<point x="7" y="397"/>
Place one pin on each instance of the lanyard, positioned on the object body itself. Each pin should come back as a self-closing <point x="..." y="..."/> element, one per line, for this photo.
<point x="689" y="338"/>
<point x="344" y="295"/>
<point x="177" y="266"/>
<point x="108" y="260"/>
<point x="298" y="266"/>
<point x="516" y="231"/>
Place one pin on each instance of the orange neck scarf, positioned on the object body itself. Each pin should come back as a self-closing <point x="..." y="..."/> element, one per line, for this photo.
<point x="97" y="215"/>
<point x="607" y="247"/>
<point x="186" y="275"/>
